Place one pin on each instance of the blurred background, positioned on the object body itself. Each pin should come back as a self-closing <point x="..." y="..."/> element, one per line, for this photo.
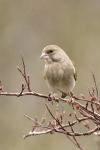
<point x="25" y="28"/>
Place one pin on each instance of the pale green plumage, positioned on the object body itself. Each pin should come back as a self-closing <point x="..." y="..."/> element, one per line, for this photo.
<point x="59" y="71"/>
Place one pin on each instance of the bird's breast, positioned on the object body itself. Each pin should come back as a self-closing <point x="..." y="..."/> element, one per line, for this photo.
<point x="53" y="73"/>
<point x="60" y="77"/>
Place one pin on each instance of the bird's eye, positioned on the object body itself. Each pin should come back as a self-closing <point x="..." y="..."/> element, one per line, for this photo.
<point x="50" y="51"/>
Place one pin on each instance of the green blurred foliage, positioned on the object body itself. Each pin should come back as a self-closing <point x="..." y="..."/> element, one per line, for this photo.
<point x="25" y="28"/>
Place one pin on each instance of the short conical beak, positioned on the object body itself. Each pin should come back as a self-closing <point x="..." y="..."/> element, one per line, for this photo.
<point x="44" y="56"/>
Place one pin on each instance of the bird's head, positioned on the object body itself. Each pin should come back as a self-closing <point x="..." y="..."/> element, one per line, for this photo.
<point x="52" y="53"/>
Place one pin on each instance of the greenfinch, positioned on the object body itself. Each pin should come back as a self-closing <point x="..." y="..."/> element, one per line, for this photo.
<point x="59" y="71"/>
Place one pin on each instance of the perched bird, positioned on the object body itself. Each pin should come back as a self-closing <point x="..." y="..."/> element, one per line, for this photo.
<point x="59" y="71"/>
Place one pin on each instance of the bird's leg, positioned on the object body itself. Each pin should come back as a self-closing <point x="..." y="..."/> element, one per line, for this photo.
<point x="71" y="94"/>
<point x="63" y="95"/>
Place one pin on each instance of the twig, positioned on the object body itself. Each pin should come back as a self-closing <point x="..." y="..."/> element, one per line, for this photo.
<point x="25" y="76"/>
<point x="61" y="127"/>
<point x="88" y="111"/>
<point x="22" y="89"/>
<point x="28" y="117"/>
<point x="78" y="145"/>
<point x="34" y="133"/>
<point x="95" y="83"/>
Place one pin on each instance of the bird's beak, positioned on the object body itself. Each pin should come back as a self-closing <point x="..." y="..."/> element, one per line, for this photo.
<point x="44" y="56"/>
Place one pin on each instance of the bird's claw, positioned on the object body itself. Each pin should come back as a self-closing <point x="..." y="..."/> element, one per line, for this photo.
<point x="51" y="97"/>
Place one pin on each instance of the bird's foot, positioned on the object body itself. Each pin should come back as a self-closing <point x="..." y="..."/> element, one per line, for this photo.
<point x="51" y="97"/>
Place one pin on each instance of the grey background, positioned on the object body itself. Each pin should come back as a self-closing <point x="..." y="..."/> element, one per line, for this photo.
<point x="25" y="28"/>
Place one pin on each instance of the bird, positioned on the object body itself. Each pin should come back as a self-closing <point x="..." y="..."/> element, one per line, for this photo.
<point x="59" y="71"/>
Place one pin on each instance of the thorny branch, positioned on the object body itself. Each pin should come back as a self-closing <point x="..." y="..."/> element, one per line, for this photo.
<point x="86" y="111"/>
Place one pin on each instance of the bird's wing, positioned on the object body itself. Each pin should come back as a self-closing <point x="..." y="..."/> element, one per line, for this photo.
<point x="75" y="76"/>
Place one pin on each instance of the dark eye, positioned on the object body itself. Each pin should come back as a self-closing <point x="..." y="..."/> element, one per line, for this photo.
<point x="49" y="51"/>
